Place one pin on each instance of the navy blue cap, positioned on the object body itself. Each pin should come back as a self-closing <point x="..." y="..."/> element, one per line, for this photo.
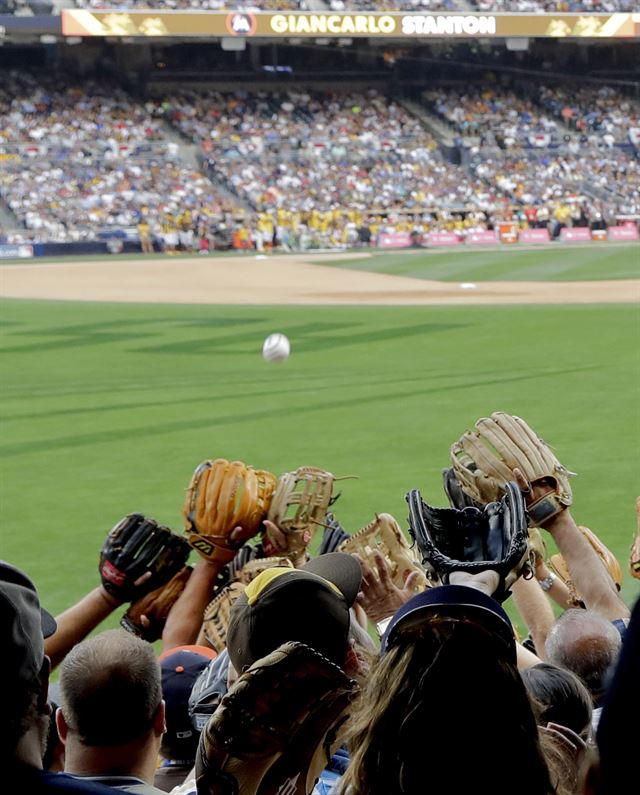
<point x="180" y="667"/>
<point x="452" y="600"/>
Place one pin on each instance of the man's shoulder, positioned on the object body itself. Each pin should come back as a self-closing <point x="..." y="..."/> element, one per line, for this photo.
<point x="36" y="782"/>
<point x="124" y="784"/>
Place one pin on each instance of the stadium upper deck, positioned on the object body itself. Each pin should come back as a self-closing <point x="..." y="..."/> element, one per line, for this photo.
<point x="26" y="7"/>
<point x="537" y="113"/>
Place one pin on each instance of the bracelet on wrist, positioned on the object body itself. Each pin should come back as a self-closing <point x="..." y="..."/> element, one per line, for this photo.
<point x="548" y="581"/>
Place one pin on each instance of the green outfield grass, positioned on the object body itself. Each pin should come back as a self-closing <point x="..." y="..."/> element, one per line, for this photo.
<point x="554" y="263"/>
<point x="107" y="409"/>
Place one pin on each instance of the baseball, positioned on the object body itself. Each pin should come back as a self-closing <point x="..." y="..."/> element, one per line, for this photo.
<point x="276" y="348"/>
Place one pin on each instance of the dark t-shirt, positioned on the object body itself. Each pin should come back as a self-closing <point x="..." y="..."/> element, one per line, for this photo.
<point x="28" y="781"/>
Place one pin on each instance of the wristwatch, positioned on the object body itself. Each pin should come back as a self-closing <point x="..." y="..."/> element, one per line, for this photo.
<point x="548" y="581"/>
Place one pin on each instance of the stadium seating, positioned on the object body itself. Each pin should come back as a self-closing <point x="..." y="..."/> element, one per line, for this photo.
<point x="195" y="5"/>
<point x="592" y="109"/>
<point x="497" y="115"/>
<point x="323" y="151"/>
<point x="556" y="6"/>
<point x="29" y="7"/>
<point x="392" y="5"/>
<point x="534" y="115"/>
<point x="80" y="162"/>
<point x="610" y="176"/>
<point x="83" y="163"/>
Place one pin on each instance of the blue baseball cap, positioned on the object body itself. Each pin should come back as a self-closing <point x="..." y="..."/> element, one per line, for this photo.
<point x="454" y="601"/>
<point x="180" y="667"/>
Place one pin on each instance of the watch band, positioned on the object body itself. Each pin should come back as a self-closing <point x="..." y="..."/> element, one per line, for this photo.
<point x="548" y="581"/>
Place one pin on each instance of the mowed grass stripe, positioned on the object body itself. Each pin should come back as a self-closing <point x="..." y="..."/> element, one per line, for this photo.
<point x="138" y="427"/>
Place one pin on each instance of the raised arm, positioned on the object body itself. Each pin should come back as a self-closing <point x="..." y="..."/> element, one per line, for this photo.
<point x="535" y="610"/>
<point x="185" y="619"/>
<point x="78" y="621"/>
<point x="590" y="577"/>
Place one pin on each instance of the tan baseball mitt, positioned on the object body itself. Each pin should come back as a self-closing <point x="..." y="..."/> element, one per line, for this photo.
<point x="298" y="506"/>
<point x="384" y="535"/>
<point x="634" y="552"/>
<point x="215" y="620"/>
<point x="253" y="568"/>
<point x="146" y="617"/>
<point x="484" y="460"/>
<point x="558" y="563"/>
<point x="224" y="495"/>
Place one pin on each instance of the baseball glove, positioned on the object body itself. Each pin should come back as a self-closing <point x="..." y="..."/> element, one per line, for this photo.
<point x="484" y="459"/>
<point x="216" y="615"/>
<point x="208" y="690"/>
<point x="276" y="728"/>
<point x="559" y="565"/>
<point x="228" y="573"/>
<point x="146" y="617"/>
<point x="215" y="620"/>
<point x="334" y="535"/>
<point x="223" y="495"/>
<point x="138" y="556"/>
<point x="384" y="534"/>
<point x="457" y="497"/>
<point x="252" y="568"/>
<point x="634" y="552"/>
<point x="473" y="540"/>
<point x="299" y="505"/>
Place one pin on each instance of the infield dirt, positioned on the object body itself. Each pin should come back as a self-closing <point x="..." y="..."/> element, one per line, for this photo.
<point x="280" y="280"/>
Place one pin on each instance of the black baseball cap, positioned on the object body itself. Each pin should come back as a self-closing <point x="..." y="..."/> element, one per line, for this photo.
<point x="309" y="605"/>
<point x="23" y="626"/>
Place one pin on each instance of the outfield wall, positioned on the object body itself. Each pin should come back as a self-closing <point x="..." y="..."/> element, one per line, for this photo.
<point x="393" y="240"/>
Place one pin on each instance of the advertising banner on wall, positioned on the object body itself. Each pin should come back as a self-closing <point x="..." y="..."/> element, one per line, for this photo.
<point x="443" y="239"/>
<point x="626" y="232"/>
<point x="575" y="234"/>
<point x="535" y="236"/>
<point x="394" y="240"/>
<point x="486" y="238"/>
<point x="393" y="25"/>
<point x="8" y="251"/>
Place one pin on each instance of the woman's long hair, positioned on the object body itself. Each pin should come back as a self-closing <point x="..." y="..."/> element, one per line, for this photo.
<point x="558" y="696"/>
<point x="445" y="711"/>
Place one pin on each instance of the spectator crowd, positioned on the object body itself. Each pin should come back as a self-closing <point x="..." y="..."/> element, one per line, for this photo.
<point x="593" y="109"/>
<point x="556" y="6"/>
<point x="498" y="117"/>
<point x="24" y="7"/>
<point x="305" y="168"/>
